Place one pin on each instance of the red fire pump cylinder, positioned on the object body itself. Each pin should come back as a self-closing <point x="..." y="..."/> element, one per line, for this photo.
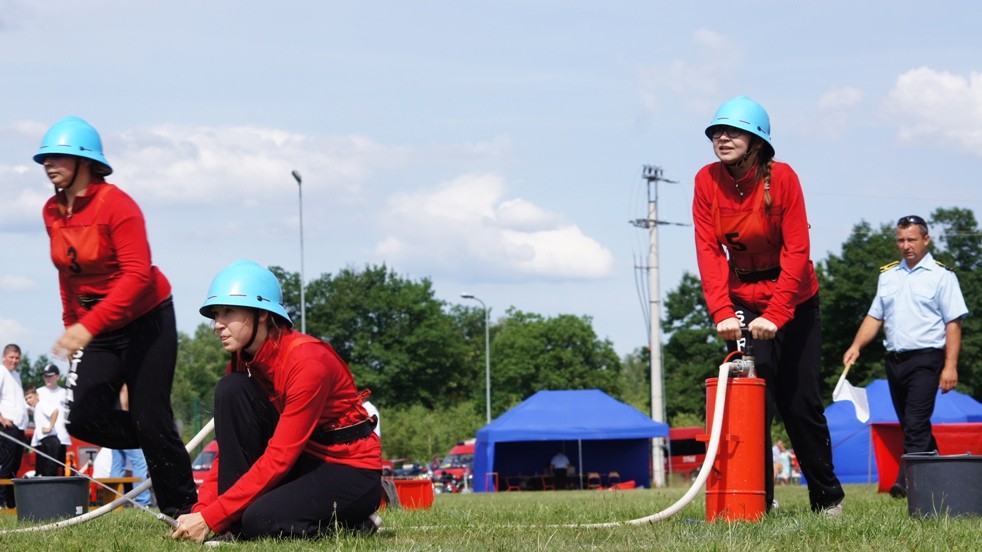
<point x="735" y="487"/>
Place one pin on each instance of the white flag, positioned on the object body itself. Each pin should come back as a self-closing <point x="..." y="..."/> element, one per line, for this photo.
<point x="844" y="391"/>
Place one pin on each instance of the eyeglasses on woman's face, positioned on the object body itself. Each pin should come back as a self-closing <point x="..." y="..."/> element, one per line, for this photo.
<point x="717" y="132"/>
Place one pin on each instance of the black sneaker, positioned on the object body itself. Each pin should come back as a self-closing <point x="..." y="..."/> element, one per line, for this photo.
<point x="898" y="491"/>
<point x="370" y="526"/>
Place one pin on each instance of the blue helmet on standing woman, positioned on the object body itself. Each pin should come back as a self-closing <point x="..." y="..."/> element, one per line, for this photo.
<point x="246" y="284"/>
<point x="74" y="136"/>
<point x="745" y="114"/>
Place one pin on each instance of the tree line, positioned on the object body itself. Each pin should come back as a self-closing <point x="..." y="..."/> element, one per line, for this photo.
<point x="424" y="359"/>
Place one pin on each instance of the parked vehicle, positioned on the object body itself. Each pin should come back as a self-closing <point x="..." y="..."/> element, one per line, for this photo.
<point x="202" y="462"/>
<point x="687" y="453"/>
<point x="454" y="474"/>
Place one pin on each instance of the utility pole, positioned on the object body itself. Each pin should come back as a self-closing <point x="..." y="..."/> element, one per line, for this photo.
<point x="653" y="175"/>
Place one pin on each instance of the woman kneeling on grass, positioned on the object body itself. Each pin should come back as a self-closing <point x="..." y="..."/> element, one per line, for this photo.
<point x="297" y="454"/>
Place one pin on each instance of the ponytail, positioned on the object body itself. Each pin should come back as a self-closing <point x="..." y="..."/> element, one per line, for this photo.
<point x="765" y="158"/>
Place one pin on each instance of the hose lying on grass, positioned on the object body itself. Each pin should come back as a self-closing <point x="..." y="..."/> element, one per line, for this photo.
<point x="121" y="501"/>
<point x="707" y="464"/>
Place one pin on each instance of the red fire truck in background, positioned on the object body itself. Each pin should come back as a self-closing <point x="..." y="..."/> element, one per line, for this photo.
<point x="687" y="453"/>
<point x="79" y="454"/>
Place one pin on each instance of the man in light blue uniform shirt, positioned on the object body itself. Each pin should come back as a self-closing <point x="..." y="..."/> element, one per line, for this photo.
<point x="920" y="306"/>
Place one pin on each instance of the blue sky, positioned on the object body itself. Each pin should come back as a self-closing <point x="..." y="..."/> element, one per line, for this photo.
<point x="493" y="147"/>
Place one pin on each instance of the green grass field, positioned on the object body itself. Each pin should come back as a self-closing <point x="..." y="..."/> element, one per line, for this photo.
<point x="527" y="521"/>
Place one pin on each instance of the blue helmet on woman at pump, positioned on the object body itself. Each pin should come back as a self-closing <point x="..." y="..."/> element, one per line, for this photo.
<point x="246" y="284"/>
<point x="74" y="136"/>
<point x="745" y="114"/>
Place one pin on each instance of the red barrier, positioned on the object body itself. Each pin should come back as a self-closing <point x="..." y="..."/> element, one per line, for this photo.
<point x="888" y="443"/>
<point x="414" y="494"/>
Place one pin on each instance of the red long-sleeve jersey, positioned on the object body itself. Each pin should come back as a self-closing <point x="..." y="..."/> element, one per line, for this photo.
<point x="735" y="231"/>
<point x="100" y="249"/>
<point x="311" y="388"/>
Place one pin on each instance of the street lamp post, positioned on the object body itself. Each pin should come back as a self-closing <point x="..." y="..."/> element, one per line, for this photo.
<point x="303" y="299"/>
<point x="487" y="352"/>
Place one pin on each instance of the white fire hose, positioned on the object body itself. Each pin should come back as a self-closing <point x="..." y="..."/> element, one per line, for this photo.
<point x="121" y="501"/>
<point x="707" y="464"/>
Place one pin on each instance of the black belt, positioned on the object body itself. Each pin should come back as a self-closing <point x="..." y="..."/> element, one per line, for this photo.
<point x="89" y="301"/>
<point x="904" y="355"/>
<point x="347" y="434"/>
<point x="753" y="276"/>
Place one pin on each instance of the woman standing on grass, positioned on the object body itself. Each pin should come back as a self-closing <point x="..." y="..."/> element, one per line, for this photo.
<point x="297" y="454"/>
<point x="117" y="311"/>
<point x="752" y="246"/>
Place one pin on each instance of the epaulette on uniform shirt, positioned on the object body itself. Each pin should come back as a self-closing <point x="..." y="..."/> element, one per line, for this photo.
<point x="944" y="266"/>
<point x="887" y="267"/>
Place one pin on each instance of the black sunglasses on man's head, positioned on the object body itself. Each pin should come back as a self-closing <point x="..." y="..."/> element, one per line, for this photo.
<point x="904" y="222"/>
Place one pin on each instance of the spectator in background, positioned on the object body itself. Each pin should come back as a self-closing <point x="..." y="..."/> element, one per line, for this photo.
<point x="52" y="391"/>
<point x="131" y="460"/>
<point x="50" y="437"/>
<point x="13" y="421"/>
<point x="560" y="467"/>
<point x="776" y="459"/>
<point x="56" y="395"/>
<point x="783" y="464"/>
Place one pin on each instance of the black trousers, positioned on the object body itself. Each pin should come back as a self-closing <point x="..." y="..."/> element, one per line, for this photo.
<point x="790" y="364"/>
<point x="11" y="455"/>
<point x="51" y="446"/>
<point x="315" y="497"/>
<point x="142" y="355"/>
<point x="913" y="389"/>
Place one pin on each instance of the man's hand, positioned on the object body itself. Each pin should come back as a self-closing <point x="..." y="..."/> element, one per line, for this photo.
<point x="949" y="379"/>
<point x="850" y="357"/>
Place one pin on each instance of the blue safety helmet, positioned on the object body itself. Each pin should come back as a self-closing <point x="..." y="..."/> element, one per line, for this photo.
<point x="73" y="136"/>
<point x="246" y="284"/>
<point x="743" y="113"/>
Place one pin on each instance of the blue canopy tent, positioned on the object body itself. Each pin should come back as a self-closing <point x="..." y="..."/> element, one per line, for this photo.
<point x="597" y="432"/>
<point x="853" y="453"/>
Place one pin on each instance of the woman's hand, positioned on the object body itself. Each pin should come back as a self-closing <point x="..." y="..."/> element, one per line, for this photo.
<point x="191" y="527"/>
<point x="75" y="337"/>
<point x="729" y="329"/>
<point x="762" y="328"/>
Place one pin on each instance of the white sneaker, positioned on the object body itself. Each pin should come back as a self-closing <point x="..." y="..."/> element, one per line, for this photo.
<point x="833" y="511"/>
<point x="220" y="540"/>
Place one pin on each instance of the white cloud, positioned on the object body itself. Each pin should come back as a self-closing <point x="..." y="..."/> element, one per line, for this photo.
<point x="17" y="283"/>
<point x="183" y="164"/>
<point x="467" y="225"/>
<point x="836" y="109"/>
<point x="693" y="81"/>
<point x="11" y="330"/>
<point x="938" y="106"/>
<point x="845" y="97"/>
